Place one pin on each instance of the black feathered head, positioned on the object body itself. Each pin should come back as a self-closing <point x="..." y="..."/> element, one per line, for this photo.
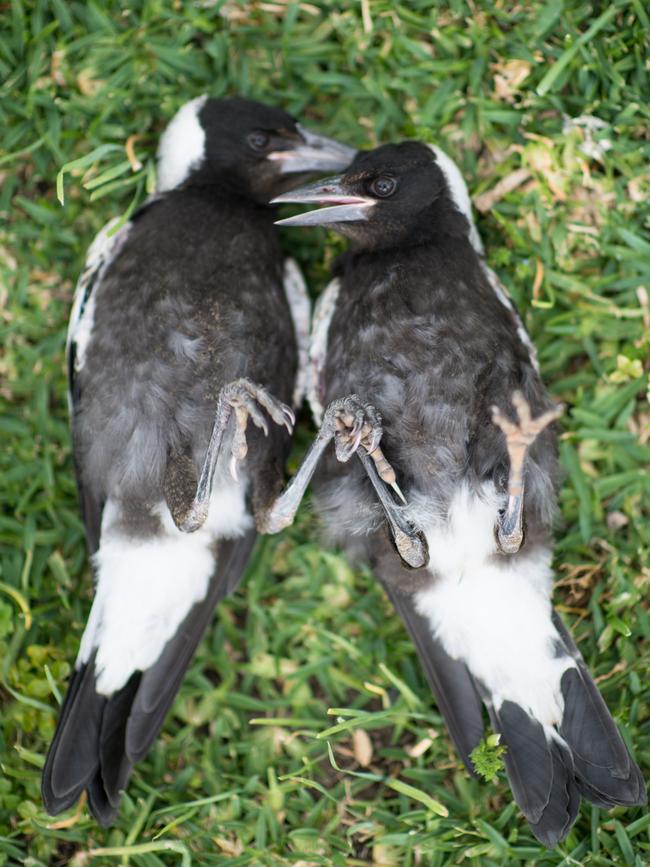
<point x="394" y="195"/>
<point x="254" y="149"/>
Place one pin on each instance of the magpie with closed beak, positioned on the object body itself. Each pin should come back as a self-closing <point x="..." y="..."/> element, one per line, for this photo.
<point x="418" y="326"/>
<point x="187" y="323"/>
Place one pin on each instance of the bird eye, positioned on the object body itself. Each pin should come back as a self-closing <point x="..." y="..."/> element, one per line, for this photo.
<point x="258" y="140"/>
<point x="383" y="186"/>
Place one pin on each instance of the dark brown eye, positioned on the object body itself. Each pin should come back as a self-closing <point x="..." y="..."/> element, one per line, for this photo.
<point x="383" y="186"/>
<point x="258" y="140"/>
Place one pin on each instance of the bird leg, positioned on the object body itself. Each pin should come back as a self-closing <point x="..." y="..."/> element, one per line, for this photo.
<point x="355" y="428"/>
<point x="244" y="400"/>
<point x="520" y="435"/>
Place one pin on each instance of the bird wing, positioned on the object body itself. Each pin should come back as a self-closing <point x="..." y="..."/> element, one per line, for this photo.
<point x="463" y="202"/>
<point x="452" y="685"/>
<point x="323" y="312"/>
<point x="100" y="254"/>
<point x="295" y="289"/>
<point x="103" y="250"/>
<point x="100" y="736"/>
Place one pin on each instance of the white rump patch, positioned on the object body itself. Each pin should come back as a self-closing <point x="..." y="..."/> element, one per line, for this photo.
<point x="145" y="588"/>
<point x="323" y="312"/>
<point x="182" y="145"/>
<point x="296" y="291"/>
<point x="492" y="611"/>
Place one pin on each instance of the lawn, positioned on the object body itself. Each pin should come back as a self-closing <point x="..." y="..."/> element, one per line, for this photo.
<point x="304" y="731"/>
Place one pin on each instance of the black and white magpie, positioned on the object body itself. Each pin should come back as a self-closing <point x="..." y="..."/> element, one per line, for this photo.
<point x="187" y="322"/>
<point x="417" y="326"/>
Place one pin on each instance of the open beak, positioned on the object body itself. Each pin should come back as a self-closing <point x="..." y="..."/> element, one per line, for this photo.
<point x="343" y="207"/>
<point x="316" y="154"/>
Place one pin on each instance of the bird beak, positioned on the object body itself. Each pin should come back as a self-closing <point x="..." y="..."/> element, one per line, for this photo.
<point x="315" y="154"/>
<point x="345" y="208"/>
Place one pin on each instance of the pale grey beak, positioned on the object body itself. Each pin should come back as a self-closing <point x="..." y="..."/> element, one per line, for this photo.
<point x="346" y="208"/>
<point x="316" y="154"/>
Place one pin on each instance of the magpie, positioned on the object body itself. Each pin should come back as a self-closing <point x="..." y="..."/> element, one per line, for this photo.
<point x="418" y="327"/>
<point x="187" y="323"/>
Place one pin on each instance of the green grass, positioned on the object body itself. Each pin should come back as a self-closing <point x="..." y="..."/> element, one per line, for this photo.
<point x="256" y="764"/>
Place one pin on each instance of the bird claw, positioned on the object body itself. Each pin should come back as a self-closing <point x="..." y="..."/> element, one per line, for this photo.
<point x="520" y="435"/>
<point x="248" y="400"/>
<point x="353" y="424"/>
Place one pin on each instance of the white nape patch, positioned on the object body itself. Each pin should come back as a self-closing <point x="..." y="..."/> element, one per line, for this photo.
<point x="295" y="289"/>
<point x="323" y="312"/>
<point x="145" y="588"/>
<point x="491" y="611"/>
<point x="459" y="194"/>
<point x="182" y="145"/>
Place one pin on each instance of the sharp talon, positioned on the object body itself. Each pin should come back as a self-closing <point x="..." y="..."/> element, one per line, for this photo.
<point x="397" y="490"/>
<point x="233" y="468"/>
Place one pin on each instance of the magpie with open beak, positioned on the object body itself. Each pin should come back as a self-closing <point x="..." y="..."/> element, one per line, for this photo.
<point x="418" y="326"/>
<point x="187" y="324"/>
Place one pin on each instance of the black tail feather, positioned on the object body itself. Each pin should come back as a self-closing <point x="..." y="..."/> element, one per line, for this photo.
<point x="606" y="772"/>
<point x="98" y="803"/>
<point x="563" y="802"/>
<point x="549" y="770"/>
<point x="113" y="762"/>
<point x="71" y="761"/>
<point x="540" y="772"/>
<point x="528" y="759"/>
<point x="588" y="727"/>
<point x="98" y="739"/>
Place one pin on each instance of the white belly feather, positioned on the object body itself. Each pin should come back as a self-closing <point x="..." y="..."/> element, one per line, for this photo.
<point x="145" y="588"/>
<point x="493" y="611"/>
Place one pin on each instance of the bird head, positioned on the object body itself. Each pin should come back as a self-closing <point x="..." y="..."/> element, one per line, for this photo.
<point x="396" y="194"/>
<point x="255" y="149"/>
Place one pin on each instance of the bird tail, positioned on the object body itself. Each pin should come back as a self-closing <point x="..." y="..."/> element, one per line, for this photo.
<point x="99" y="738"/>
<point x="549" y="768"/>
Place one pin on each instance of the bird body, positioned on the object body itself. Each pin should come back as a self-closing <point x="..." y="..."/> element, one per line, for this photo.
<point x="183" y="319"/>
<point x="418" y="327"/>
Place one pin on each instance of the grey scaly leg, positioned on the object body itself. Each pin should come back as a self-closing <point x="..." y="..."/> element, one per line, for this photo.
<point x="355" y="428"/>
<point x="246" y="400"/>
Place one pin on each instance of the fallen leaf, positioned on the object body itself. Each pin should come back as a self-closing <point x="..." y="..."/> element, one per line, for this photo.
<point x="234" y="848"/>
<point x="420" y="748"/>
<point x="508" y="78"/>
<point x="135" y="163"/>
<point x="616" y="520"/>
<point x="485" y="201"/>
<point x="362" y="747"/>
<point x="87" y="84"/>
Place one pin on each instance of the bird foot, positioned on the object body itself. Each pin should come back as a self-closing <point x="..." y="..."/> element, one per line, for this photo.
<point x="247" y="401"/>
<point x="356" y="424"/>
<point x="520" y="435"/>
